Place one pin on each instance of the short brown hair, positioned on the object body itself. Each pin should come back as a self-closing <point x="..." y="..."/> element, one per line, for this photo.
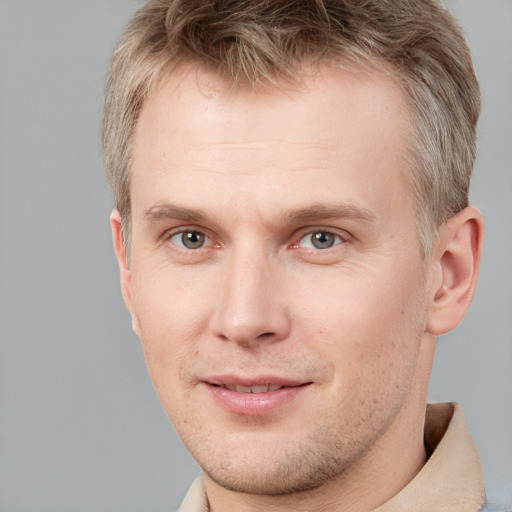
<point x="258" y="42"/>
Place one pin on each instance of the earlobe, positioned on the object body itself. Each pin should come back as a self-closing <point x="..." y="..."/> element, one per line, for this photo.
<point x="457" y="257"/>
<point x="120" y="250"/>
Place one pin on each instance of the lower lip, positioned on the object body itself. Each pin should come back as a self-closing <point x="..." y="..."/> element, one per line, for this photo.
<point x="254" y="404"/>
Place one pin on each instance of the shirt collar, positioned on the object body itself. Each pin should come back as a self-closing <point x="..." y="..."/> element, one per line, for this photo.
<point x="452" y="479"/>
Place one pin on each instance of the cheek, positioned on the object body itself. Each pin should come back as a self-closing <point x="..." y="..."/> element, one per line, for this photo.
<point x="370" y="325"/>
<point x="168" y="303"/>
<point x="359" y="305"/>
<point x="172" y="315"/>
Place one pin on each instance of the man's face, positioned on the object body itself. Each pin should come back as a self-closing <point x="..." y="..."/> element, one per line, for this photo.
<point x="274" y="250"/>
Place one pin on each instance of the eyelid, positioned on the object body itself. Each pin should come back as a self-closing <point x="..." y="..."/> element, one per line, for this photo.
<point x="343" y="236"/>
<point x="171" y="233"/>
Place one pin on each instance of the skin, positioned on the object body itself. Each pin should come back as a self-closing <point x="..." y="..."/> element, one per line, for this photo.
<point x="257" y="173"/>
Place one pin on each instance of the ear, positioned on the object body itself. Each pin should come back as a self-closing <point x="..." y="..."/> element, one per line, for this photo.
<point x="124" y="269"/>
<point x="457" y="259"/>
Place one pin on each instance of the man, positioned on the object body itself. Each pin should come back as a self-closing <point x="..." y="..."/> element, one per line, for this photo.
<point x="293" y="233"/>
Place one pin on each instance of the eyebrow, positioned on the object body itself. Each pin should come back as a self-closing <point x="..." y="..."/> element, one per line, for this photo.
<point x="170" y="211"/>
<point x="294" y="216"/>
<point x="329" y="211"/>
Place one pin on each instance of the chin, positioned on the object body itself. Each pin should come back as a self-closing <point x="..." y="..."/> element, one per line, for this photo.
<point x="271" y="483"/>
<point x="278" y="472"/>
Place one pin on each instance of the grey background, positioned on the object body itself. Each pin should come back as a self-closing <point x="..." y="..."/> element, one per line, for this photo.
<point x="80" y="426"/>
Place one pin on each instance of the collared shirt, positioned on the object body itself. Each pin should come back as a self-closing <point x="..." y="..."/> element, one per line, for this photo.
<point x="451" y="480"/>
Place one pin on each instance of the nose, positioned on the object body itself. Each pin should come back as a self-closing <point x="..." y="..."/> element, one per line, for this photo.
<point x="250" y="308"/>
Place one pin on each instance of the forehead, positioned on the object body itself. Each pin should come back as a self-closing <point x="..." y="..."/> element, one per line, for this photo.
<point x="196" y="130"/>
<point x="324" y="91"/>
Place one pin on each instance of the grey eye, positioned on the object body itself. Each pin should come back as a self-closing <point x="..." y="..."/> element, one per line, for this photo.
<point x="190" y="239"/>
<point x="319" y="240"/>
<point x="323" y="239"/>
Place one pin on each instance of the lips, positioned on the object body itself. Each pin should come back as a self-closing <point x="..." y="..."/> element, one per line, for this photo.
<point x="240" y="388"/>
<point x="254" y="397"/>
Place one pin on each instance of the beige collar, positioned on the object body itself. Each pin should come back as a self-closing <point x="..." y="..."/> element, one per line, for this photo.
<point x="452" y="479"/>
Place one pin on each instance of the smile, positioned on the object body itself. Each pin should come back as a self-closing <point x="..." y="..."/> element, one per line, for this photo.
<point x="257" y="398"/>
<point x="240" y="388"/>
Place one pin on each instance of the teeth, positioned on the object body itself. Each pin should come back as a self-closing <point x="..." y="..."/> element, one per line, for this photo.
<point x="259" y="389"/>
<point x="252" y="389"/>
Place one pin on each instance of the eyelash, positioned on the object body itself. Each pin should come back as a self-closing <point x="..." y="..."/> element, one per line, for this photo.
<point x="339" y="239"/>
<point x="182" y="231"/>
